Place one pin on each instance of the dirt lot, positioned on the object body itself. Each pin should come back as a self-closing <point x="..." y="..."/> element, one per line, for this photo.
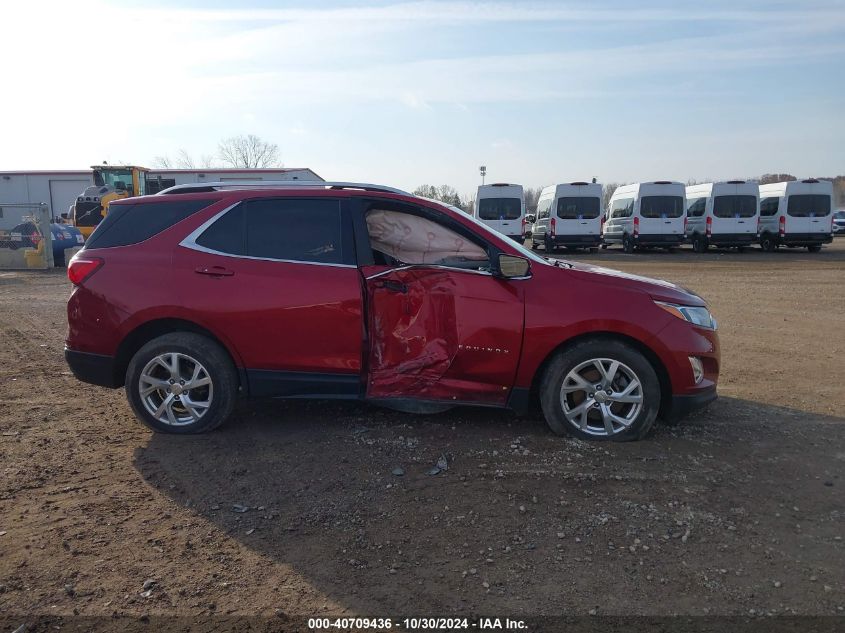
<point x="737" y="511"/>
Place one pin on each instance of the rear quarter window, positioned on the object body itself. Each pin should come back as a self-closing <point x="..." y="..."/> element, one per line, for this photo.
<point x="127" y="224"/>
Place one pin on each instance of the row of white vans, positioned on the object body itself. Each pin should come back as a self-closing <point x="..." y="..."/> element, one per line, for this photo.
<point x="665" y="214"/>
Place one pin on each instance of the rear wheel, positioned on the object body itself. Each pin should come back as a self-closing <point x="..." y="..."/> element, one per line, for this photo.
<point x="604" y="246"/>
<point x="815" y="248"/>
<point x="181" y="383"/>
<point x="600" y="390"/>
<point x="549" y="244"/>
<point x="699" y="244"/>
<point x="627" y="244"/>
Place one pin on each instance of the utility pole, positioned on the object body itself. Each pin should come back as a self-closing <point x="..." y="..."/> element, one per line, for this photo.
<point x="483" y="171"/>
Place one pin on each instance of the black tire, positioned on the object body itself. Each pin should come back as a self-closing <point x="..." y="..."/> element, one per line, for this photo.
<point x="627" y="244"/>
<point x="814" y="248"/>
<point x="567" y="360"/>
<point x="548" y="245"/>
<point x="768" y="244"/>
<point x="670" y="249"/>
<point x="604" y="246"/>
<point x="534" y="245"/>
<point x="699" y="244"/>
<point x="740" y="249"/>
<point x="594" y="250"/>
<point x="215" y="360"/>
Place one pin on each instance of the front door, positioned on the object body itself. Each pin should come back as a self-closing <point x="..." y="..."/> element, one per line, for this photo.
<point x="440" y="325"/>
<point x="441" y="334"/>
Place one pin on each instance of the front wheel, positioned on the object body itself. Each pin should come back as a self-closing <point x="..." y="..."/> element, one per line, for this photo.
<point x="600" y="390"/>
<point x="768" y="244"/>
<point x="181" y="383"/>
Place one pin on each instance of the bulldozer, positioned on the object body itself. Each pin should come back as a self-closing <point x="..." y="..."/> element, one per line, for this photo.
<point x="111" y="182"/>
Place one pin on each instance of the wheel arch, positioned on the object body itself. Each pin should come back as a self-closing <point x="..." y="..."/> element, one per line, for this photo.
<point x="645" y="350"/>
<point x="149" y="330"/>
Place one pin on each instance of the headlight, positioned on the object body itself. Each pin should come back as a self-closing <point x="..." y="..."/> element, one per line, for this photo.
<point x="695" y="315"/>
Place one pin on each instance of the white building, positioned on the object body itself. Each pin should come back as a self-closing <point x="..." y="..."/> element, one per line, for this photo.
<point x="59" y="189"/>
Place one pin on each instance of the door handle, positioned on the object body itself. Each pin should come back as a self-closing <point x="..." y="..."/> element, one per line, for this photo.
<point x="393" y="286"/>
<point x="214" y="271"/>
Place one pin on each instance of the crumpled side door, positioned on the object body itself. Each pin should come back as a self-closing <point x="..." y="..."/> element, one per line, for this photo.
<point x="442" y="334"/>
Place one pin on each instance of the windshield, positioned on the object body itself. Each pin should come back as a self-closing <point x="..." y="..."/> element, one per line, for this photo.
<point x="578" y="208"/>
<point x="111" y="176"/>
<point x="499" y="208"/>
<point x="735" y="206"/>
<point x="808" y="205"/>
<point x="661" y="206"/>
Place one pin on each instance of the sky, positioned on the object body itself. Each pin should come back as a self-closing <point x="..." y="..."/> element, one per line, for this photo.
<point x="406" y="93"/>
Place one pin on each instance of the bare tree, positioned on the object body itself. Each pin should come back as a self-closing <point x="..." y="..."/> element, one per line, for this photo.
<point x="765" y="179"/>
<point x="532" y="195"/>
<point x="607" y="193"/>
<point x="443" y="193"/>
<point x="183" y="160"/>
<point x="248" y="152"/>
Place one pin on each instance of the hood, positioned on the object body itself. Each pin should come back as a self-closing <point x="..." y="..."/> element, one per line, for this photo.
<point x="657" y="288"/>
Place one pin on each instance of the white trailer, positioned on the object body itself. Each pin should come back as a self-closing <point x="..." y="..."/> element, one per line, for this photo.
<point x="59" y="189"/>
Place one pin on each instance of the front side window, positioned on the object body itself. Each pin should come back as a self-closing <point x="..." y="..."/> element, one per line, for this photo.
<point x="499" y="208"/>
<point x="578" y="208"/>
<point x="696" y="208"/>
<point x="810" y="205"/>
<point x="769" y="206"/>
<point x="735" y="206"/>
<point x="661" y="206"/>
<point x="400" y="238"/>
<point x="622" y="208"/>
<point x="297" y="230"/>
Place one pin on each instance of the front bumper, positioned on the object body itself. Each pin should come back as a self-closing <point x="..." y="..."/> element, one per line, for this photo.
<point x="95" y="369"/>
<point x="682" y="405"/>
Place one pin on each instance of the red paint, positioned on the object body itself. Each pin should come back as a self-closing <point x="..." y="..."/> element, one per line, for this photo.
<point x="450" y="335"/>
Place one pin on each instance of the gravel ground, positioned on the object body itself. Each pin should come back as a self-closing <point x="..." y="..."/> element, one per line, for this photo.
<point x="295" y="508"/>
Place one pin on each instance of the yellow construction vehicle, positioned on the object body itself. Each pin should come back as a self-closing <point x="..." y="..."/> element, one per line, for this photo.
<point x="111" y="182"/>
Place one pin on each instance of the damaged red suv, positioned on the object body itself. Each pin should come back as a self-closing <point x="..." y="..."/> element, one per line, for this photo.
<point x="193" y="297"/>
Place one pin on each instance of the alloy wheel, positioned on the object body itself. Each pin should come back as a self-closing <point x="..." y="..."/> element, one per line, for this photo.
<point x="601" y="396"/>
<point x="175" y="389"/>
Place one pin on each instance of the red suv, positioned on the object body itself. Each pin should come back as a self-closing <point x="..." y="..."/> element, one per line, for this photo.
<point x="202" y="293"/>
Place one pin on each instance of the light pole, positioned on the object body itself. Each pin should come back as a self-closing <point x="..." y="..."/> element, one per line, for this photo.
<point x="483" y="171"/>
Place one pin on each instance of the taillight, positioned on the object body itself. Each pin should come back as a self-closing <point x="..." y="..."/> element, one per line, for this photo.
<point x="685" y="224"/>
<point x="552" y="227"/>
<point x="636" y="226"/>
<point x="601" y="226"/>
<point x="80" y="268"/>
<point x="524" y="222"/>
<point x="709" y="227"/>
<point x="758" y="225"/>
<point x="782" y="226"/>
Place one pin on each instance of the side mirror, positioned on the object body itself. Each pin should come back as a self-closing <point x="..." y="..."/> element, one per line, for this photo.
<point x="512" y="266"/>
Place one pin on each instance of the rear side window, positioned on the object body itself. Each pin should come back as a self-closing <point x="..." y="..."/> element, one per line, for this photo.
<point x="300" y="230"/>
<point x="696" y="209"/>
<point x="661" y="206"/>
<point x="810" y="205"/>
<point x="127" y="224"/>
<point x="578" y="208"/>
<point x="769" y="206"/>
<point x="734" y="206"/>
<point x="499" y="208"/>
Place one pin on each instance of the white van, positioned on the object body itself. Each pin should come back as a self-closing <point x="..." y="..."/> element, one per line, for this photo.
<point x="501" y="206"/>
<point x="646" y="214"/>
<point x="796" y="213"/>
<point x="568" y="215"/>
<point x="722" y="214"/>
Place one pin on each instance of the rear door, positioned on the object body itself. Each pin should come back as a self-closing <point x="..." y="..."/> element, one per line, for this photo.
<point x="502" y="214"/>
<point x="277" y="280"/>
<point x="734" y="214"/>
<point x="661" y="215"/>
<point x="578" y="215"/>
<point x="440" y="326"/>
